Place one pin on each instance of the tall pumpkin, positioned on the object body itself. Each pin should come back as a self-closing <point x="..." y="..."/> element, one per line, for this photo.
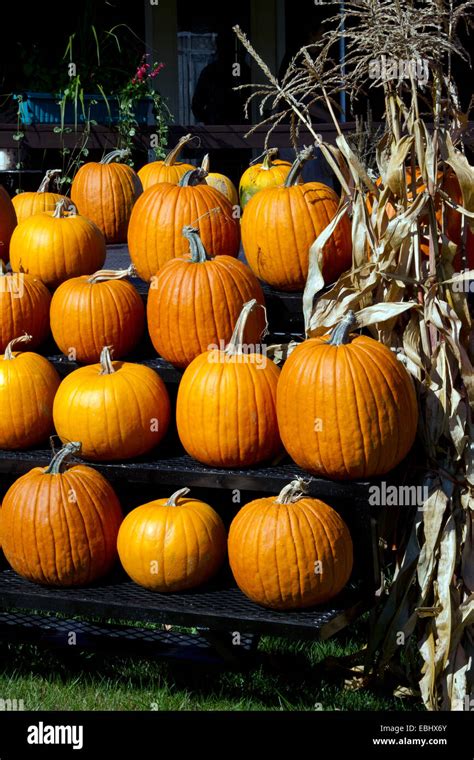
<point x="55" y="247"/>
<point x="24" y="308"/>
<point x="106" y="193"/>
<point x="28" y="384"/>
<point x="118" y="410"/>
<point x="347" y="407"/>
<point x="60" y="528"/>
<point x="280" y="225"/>
<point x="226" y="407"/>
<point x="220" y="182"/>
<point x="155" y="231"/>
<point x="290" y="551"/>
<point x="168" y="170"/>
<point x="88" y="313"/>
<point x="172" y="544"/>
<point x="29" y="204"/>
<point x="8" y="222"/>
<point x="271" y="172"/>
<point x="194" y="303"/>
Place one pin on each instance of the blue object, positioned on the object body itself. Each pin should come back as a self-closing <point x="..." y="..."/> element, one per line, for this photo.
<point x="43" y="108"/>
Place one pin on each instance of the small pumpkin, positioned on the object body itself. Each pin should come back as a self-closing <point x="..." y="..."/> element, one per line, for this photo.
<point x="168" y="170"/>
<point x="291" y="551"/>
<point x="118" y="410"/>
<point x="28" y="384"/>
<point x="271" y="172"/>
<point x="155" y="231"/>
<point x="60" y="528"/>
<point x="172" y="544"/>
<point x="55" y="247"/>
<point x="8" y="222"/>
<point x="220" y="182"/>
<point x="24" y="308"/>
<point x="90" y="312"/>
<point x="29" y="204"/>
<point x="225" y="411"/>
<point x="280" y="224"/>
<point x="194" y="303"/>
<point x="106" y="192"/>
<point x="347" y="407"/>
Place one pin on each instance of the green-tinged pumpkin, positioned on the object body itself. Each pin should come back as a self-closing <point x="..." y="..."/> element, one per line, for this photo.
<point x="194" y="303"/>
<point x="172" y="544"/>
<point x="220" y="182"/>
<point x="347" y="408"/>
<point x="291" y="551"/>
<point x="28" y="384"/>
<point x="60" y="528"/>
<point x="118" y="410"/>
<point x="271" y="172"/>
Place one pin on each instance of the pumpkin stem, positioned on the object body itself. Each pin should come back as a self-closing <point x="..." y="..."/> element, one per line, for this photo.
<point x="206" y="163"/>
<point x="177" y="495"/>
<point x="45" y="182"/>
<point x="340" y="335"/>
<point x="170" y="159"/>
<point x="237" y="340"/>
<point x="115" y="154"/>
<point x="8" y="350"/>
<point x="69" y="449"/>
<point x="112" y="274"/>
<point x="196" y="246"/>
<point x="303" y="156"/>
<point x="60" y="208"/>
<point x="267" y="162"/>
<point x="193" y="177"/>
<point x="107" y="367"/>
<point x="293" y="492"/>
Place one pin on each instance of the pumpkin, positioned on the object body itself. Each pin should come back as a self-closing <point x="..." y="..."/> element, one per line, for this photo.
<point x="271" y="172"/>
<point x="55" y="247"/>
<point x="60" y="528"/>
<point x="28" y="384"/>
<point x="291" y="551"/>
<point x="24" y="308"/>
<point x="172" y="544"/>
<point x="88" y="313"/>
<point x="280" y="225"/>
<point x="155" y="231"/>
<point x="220" y="182"/>
<point x="105" y="192"/>
<point x="194" y="303"/>
<point x="29" y="204"/>
<point x="117" y="410"/>
<point x="8" y="222"/>
<point x="346" y="406"/>
<point x="226" y="406"/>
<point x="168" y="170"/>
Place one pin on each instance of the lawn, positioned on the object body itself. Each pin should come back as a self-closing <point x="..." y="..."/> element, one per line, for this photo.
<point x="284" y="675"/>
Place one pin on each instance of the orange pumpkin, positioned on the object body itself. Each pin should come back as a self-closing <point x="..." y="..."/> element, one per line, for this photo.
<point x="8" y="222"/>
<point x="194" y="303"/>
<point x="60" y="528"/>
<point x="220" y="182"/>
<point x="271" y="172"/>
<point x="346" y="406"/>
<point x="155" y="231"/>
<point x="291" y="551"/>
<point x="172" y="544"/>
<point x="106" y="192"/>
<point x="29" y="204"/>
<point x="117" y="410"/>
<point x="168" y="170"/>
<point x="28" y="384"/>
<point x="55" y="247"/>
<point x="88" y="313"/>
<point x="225" y="412"/>
<point x="24" y="308"/>
<point x="280" y="225"/>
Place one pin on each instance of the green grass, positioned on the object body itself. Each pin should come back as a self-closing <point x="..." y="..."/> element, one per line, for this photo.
<point x="284" y="675"/>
